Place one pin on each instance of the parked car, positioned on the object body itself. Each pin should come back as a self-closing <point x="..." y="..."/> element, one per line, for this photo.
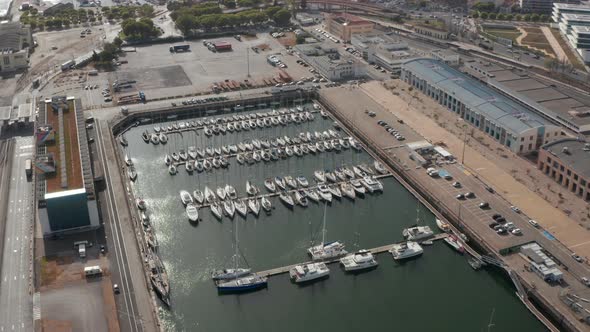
<point x="484" y="205"/>
<point x="515" y="209"/>
<point x="457" y="184"/>
<point x="460" y="196"/>
<point x="534" y="223"/>
<point x="470" y="195"/>
<point x="495" y="216"/>
<point x="577" y="257"/>
<point x="116" y="289"/>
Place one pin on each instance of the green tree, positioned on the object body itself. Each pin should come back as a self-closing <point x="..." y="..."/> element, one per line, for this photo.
<point x="544" y="18"/>
<point x="492" y="16"/>
<point x="146" y="10"/>
<point x="185" y="23"/>
<point x="282" y="17"/>
<point x="484" y="6"/>
<point x="526" y="17"/>
<point x="518" y="17"/>
<point x="484" y="15"/>
<point x="535" y="17"/>
<point x="509" y="17"/>
<point x="501" y="17"/>
<point x="300" y="39"/>
<point x="117" y="42"/>
<point x="475" y="15"/>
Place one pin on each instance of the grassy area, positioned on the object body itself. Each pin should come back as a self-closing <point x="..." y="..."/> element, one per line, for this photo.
<point x="575" y="61"/>
<point x="536" y="39"/>
<point x="431" y="23"/>
<point x="511" y="34"/>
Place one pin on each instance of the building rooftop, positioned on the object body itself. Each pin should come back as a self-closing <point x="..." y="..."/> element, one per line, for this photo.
<point x="581" y="28"/>
<point x="566" y="6"/>
<point x="495" y="106"/>
<point x="348" y="19"/>
<point x="66" y="148"/>
<point x="571" y="152"/>
<point x="5" y="113"/>
<point x="10" y="35"/>
<point x="326" y="62"/>
<point x="554" y="101"/>
<point x="576" y="17"/>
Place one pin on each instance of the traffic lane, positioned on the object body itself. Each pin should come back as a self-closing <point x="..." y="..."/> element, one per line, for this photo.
<point x="15" y="286"/>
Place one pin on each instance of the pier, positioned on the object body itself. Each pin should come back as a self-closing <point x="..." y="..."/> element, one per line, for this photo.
<point x="374" y="251"/>
<point x="291" y="191"/>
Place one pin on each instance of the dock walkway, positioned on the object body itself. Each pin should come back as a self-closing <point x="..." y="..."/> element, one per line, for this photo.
<point x="291" y="191"/>
<point x="375" y="251"/>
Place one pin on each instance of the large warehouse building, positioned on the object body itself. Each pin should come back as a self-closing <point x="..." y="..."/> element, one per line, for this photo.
<point x="508" y="122"/>
<point x="567" y="161"/>
<point x="65" y="187"/>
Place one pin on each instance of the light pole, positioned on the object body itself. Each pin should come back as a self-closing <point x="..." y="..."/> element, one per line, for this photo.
<point x="463" y="125"/>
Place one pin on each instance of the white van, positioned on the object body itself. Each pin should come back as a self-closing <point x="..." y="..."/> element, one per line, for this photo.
<point x="90" y="271"/>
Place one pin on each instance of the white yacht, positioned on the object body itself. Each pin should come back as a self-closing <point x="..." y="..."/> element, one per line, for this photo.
<point x="309" y="272"/>
<point x="254" y="206"/>
<point x="312" y="194"/>
<point x="379" y="167"/>
<point x="361" y="260"/>
<point x="185" y="197"/>
<point x="302" y="181"/>
<point x="287" y="199"/>
<point x="358" y="187"/>
<point x="348" y="190"/>
<point x="230" y="192"/>
<point x="229" y="208"/>
<point x="251" y="189"/>
<point x="291" y="182"/>
<point x="266" y="204"/>
<point x="241" y="207"/>
<point x="280" y="182"/>
<point x="221" y="193"/>
<point x="406" y="250"/>
<point x="216" y="210"/>
<point x="325" y="193"/>
<point x="270" y="185"/>
<point x="198" y="196"/>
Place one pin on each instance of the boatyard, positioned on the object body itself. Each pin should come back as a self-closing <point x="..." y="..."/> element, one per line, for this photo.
<point x="176" y="213"/>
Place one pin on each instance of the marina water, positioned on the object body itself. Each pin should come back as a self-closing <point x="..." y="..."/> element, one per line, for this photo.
<point x="438" y="291"/>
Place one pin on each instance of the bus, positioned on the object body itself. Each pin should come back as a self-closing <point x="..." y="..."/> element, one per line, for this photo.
<point x="28" y="168"/>
<point x="68" y="65"/>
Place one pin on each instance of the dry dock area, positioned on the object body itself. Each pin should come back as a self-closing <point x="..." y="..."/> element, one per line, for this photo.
<point x="348" y="106"/>
<point x="375" y="251"/>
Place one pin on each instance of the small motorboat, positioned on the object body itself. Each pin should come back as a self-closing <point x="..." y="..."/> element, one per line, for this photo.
<point x="128" y="161"/>
<point x="280" y="182"/>
<point x="185" y="197"/>
<point x="325" y="193"/>
<point x="209" y="195"/>
<point x="300" y="198"/>
<point x="199" y="166"/>
<point x="172" y="170"/>
<point x="155" y="139"/>
<point x="192" y="212"/>
<point x="270" y="185"/>
<point x="140" y="204"/>
<point x="163" y="138"/>
<point x="302" y="181"/>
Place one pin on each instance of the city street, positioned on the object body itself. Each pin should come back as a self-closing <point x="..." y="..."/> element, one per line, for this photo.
<point x="16" y="298"/>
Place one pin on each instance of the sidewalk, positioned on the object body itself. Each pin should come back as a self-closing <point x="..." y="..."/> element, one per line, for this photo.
<point x="561" y="226"/>
<point x="554" y="44"/>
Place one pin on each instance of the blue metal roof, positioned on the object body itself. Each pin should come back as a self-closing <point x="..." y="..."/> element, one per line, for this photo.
<point x="479" y="97"/>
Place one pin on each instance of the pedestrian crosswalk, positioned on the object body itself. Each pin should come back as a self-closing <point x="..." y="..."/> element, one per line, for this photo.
<point x="36" y="306"/>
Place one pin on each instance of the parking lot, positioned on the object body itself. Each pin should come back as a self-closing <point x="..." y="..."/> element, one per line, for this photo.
<point x="160" y="73"/>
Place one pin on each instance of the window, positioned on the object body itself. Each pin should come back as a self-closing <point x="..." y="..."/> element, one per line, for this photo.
<point x="582" y="182"/>
<point x="522" y="139"/>
<point x="531" y="138"/>
<point x="561" y="168"/>
<point x="576" y="177"/>
<point x="530" y="146"/>
<point x="549" y="160"/>
<point x="569" y="172"/>
<point x="6" y="60"/>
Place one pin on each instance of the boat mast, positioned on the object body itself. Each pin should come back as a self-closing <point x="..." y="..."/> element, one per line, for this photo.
<point x="490" y="325"/>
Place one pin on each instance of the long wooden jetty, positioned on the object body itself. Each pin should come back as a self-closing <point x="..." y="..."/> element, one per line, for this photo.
<point x="375" y="251"/>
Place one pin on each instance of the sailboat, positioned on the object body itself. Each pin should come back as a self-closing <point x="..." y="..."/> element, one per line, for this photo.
<point x="251" y="189"/>
<point x="266" y="204"/>
<point x="326" y="250"/>
<point x="238" y="279"/>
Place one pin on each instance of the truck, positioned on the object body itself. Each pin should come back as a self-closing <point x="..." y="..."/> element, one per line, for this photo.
<point x="68" y="65"/>
<point x="28" y="168"/>
<point x="90" y="271"/>
<point x="132" y="99"/>
<point x="179" y="48"/>
<point x="82" y="250"/>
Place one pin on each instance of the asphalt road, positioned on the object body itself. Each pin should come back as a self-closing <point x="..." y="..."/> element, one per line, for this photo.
<point x="16" y="302"/>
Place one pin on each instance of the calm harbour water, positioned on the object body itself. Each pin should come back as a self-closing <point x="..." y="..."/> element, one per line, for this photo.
<point x="437" y="292"/>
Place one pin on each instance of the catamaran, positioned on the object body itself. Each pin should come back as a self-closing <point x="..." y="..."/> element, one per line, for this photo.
<point x="309" y="272"/>
<point x="326" y="250"/>
<point x="416" y="233"/>
<point x="406" y="250"/>
<point x="361" y="260"/>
